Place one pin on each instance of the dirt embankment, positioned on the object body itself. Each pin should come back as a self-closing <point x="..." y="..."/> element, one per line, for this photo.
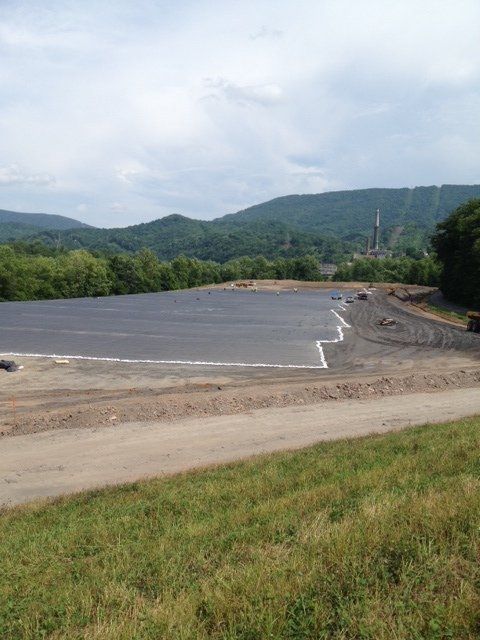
<point x="146" y="405"/>
<point x="432" y="304"/>
<point x="53" y="463"/>
<point x="289" y="285"/>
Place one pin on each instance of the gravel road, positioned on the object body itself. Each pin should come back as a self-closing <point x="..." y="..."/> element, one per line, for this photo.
<point x="63" y="461"/>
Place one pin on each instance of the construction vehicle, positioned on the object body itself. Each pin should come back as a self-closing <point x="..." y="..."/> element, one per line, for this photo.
<point x="387" y="322"/>
<point x="473" y="323"/>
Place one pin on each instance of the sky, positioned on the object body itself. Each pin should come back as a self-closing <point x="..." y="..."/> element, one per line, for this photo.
<point x="123" y="111"/>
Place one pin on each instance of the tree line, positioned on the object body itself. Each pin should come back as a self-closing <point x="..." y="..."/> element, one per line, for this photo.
<point x="425" y="271"/>
<point x="457" y="244"/>
<point x="34" y="272"/>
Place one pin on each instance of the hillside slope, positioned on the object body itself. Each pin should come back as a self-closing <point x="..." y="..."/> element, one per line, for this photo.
<point x="175" y="234"/>
<point x="349" y="213"/>
<point x="329" y="225"/>
<point x="40" y="220"/>
<point x="11" y="231"/>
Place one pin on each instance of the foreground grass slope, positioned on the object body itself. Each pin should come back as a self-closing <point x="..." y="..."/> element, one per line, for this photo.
<point x="374" y="538"/>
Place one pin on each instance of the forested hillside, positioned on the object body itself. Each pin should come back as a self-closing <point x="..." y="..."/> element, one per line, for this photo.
<point x="176" y="235"/>
<point x="17" y="226"/>
<point x="39" y="220"/>
<point x="349" y="215"/>
<point x="330" y="226"/>
<point x="11" y="231"/>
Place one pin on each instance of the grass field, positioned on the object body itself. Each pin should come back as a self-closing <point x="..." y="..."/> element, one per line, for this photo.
<point x="447" y="313"/>
<point x="374" y="538"/>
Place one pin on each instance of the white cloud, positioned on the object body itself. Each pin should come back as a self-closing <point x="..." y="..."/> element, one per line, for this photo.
<point x="266" y="32"/>
<point x="17" y="176"/>
<point x="118" y="207"/>
<point x="262" y="94"/>
<point x="107" y="101"/>
<point x="128" y="175"/>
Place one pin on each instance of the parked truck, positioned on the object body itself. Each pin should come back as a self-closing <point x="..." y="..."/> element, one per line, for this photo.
<point x="473" y="323"/>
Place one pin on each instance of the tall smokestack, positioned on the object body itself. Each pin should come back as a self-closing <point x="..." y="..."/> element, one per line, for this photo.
<point x="376" y="229"/>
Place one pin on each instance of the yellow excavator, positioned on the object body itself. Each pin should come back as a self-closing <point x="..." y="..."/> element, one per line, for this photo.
<point x="473" y="323"/>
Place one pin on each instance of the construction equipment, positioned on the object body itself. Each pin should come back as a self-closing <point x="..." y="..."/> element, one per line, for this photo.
<point x="473" y="323"/>
<point x="387" y="322"/>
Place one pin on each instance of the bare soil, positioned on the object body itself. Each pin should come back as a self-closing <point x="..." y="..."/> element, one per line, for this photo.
<point x="62" y="461"/>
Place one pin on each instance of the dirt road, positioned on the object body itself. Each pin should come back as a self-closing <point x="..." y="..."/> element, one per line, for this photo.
<point x="62" y="461"/>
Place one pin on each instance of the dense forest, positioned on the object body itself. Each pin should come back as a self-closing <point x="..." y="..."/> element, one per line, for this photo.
<point x="329" y="226"/>
<point x="176" y="235"/>
<point x="12" y="231"/>
<point x="33" y="272"/>
<point x="405" y="270"/>
<point x="457" y="243"/>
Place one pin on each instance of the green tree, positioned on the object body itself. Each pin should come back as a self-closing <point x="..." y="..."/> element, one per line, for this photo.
<point x="81" y="274"/>
<point x="457" y="243"/>
<point x="125" y="278"/>
<point x="306" y="268"/>
<point x="181" y="269"/>
<point x="147" y="268"/>
<point x="44" y="272"/>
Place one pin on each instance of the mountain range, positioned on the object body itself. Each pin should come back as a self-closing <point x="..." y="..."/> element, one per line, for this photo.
<point x="330" y="225"/>
<point x="15" y="225"/>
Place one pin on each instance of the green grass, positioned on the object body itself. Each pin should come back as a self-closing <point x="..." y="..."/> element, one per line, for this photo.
<point x="374" y="538"/>
<point x="447" y="313"/>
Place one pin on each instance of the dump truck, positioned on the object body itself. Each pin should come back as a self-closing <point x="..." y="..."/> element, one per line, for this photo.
<point x="473" y="323"/>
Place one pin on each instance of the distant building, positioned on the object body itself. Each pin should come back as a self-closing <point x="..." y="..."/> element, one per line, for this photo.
<point x="328" y="270"/>
<point x="379" y="254"/>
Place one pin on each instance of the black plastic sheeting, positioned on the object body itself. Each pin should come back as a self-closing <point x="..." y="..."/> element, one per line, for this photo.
<point x="9" y="365"/>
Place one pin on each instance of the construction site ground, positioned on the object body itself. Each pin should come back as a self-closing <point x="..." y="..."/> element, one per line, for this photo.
<point x="66" y="427"/>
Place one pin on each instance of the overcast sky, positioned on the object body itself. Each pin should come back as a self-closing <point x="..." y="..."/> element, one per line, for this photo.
<point x="116" y="112"/>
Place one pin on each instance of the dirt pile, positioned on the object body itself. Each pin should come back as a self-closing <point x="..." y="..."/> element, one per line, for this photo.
<point x="413" y="293"/>
<point x="167" y="407"/>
